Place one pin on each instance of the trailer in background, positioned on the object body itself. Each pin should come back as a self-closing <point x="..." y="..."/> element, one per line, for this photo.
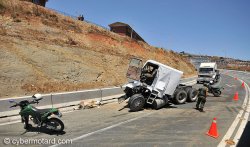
<point x="207" y="72"/>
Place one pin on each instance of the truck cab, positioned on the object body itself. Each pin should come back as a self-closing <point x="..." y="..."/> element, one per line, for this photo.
<point x="207" y="72"/>
<point x="155" y="84"/>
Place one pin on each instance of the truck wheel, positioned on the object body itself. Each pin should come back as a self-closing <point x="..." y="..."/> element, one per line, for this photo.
<point x="130" y="100"/>
<point x="192" y="94"/>
<point x="180" y="96"/>
<point x="137" y="102"/>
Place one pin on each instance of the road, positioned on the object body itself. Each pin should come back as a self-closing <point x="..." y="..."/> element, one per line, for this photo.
<point x="174" y="125"/>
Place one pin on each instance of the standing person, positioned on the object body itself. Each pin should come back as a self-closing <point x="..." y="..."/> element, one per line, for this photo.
<point x="150" y="74"/>
<point x="202" y="96"/>
<point x="80" y="17"/>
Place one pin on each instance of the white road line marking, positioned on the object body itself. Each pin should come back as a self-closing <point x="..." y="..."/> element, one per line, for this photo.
<point x="229" y="85"/>
<point x="244" y="121"/>
<point x="107" y="128"/>
<point x="234" y="124"/>
<point x="9" y="123"/>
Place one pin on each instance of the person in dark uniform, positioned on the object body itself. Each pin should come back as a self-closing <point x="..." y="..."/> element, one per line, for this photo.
<point x="202" y="95"/>
<point x="150" y="74"/>
<point x="217" y="76"/>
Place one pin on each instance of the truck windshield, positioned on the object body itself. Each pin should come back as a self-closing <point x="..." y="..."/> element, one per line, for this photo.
<point x="205" y="70"/>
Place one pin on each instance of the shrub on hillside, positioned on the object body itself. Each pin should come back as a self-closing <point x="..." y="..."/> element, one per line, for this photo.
<point x="3" y="31"/>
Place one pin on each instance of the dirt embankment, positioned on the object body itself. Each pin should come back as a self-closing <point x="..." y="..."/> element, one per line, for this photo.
<point x="43" y="51"/>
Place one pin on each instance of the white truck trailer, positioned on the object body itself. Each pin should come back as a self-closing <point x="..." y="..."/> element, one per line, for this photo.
<point x="207" y="72"/>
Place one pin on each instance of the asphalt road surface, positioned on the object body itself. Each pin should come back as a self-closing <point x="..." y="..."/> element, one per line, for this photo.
<point x="174" y="125"/>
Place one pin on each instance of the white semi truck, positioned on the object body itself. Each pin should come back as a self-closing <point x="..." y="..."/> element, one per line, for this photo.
<point x="207" y="72"/>
<point x="155" y="84"/>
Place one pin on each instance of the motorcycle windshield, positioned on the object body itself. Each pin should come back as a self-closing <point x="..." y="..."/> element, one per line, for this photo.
<point x="134" y="69"/>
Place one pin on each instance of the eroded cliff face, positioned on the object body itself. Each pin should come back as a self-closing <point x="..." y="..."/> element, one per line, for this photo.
<point x="43" y="51"/>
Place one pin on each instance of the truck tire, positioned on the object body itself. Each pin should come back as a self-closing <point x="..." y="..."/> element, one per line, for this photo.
<point x="180" y="96"/>
<point x="136" y="102"/>
<point x="192" y="94"/>
<point x="130" y="99"/>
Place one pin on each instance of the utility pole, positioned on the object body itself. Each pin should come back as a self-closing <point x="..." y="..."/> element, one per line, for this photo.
<point x="131" y="35"/>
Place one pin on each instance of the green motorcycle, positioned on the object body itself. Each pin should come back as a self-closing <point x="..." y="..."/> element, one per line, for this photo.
<point x="40" y="117"/>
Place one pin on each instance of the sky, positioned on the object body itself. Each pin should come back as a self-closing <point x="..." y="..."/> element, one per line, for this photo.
<point x="207" y="27"/>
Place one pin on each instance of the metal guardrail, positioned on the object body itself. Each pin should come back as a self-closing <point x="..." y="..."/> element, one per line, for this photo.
<point x="75" y="17"/>
<point x="66" y="97"/>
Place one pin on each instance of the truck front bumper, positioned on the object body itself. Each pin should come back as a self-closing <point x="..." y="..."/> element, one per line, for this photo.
<point x="204" y="80"/>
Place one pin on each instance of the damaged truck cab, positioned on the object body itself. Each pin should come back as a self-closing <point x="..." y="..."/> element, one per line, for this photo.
<point x="155" y="84"/>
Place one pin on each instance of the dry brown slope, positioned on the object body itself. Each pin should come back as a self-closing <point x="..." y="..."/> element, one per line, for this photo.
<point x="42" y="51"/>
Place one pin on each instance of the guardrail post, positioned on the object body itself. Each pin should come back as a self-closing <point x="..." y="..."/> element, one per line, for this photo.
<point x="51" y="100"/>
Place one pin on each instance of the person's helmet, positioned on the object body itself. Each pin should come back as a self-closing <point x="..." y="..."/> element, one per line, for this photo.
<point x="37" y="96"/>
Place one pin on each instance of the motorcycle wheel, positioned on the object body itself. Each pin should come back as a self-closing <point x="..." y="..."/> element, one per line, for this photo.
<point x="26" y="125"/>
<point x="217" y="93"/>
<point x="55" y="124"/>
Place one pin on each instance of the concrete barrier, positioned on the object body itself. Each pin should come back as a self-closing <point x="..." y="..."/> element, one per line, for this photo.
<point x="65" y="98"/>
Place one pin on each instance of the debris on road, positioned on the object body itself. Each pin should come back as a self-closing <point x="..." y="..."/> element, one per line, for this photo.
<point x="88" y="104"/>
<point x="230" y="142"/>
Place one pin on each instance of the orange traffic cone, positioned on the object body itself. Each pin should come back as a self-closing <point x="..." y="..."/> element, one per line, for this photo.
<point x="213" y="130"/>
<point x="243" y="84"/>
<point x="236" y="96"/>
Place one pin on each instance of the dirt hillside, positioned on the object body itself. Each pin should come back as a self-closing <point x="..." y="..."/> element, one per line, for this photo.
<point x="43" y="51"/>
